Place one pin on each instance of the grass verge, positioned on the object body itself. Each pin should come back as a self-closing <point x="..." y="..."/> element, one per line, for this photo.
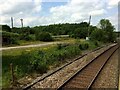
<point x="40" y="60"/>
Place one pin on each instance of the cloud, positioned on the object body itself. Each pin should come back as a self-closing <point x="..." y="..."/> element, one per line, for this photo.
<point x="12" y="7"/>
<point x="72" y="12"/>
<point x="75" y="10"/>
<point x="19" y="9"/>
<point x="97" y="12"/>
<point x="112" y="3"/>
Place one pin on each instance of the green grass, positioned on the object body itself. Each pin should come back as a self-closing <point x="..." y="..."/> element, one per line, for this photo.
<point x="31" y="60"/>
<point x="27" y="61"/>
<point x="23" y="42"/>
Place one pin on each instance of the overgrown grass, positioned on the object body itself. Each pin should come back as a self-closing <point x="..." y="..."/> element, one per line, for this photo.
<point x="24" y="42"/>
<point x="40" y="60"/>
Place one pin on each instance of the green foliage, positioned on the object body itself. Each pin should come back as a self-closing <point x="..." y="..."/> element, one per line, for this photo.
<point x="106" y="25"/>
<point x="98" y="35"/>
<point x="96" y="43"/>
<point x="44" y="36"/>
<point x="6" y="28"/>
<point x="24" y="30"/>
<point x="80" y="33"/>
<point x="40" y="60"/>
<point x="60" y="46"/>
<point x="61" y="29"/>
<point x="27" y="37"/>
<point x="84" y="46"/>
<point x="37" y="61"/>
<point x="9" y="38"/>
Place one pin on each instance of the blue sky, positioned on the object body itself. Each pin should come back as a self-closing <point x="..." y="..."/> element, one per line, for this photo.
<point x="45" y="12"/>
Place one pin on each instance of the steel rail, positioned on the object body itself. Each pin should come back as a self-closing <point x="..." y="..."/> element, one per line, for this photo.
<point x="36" y="81"/>
<point x="68" y="80"/>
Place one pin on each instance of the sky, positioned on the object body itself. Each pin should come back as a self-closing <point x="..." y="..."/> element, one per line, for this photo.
<point x="45" y="12"/>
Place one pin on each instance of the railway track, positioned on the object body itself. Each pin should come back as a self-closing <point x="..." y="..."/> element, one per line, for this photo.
<point x="85" y="77"/>
<point x="57" y="70"/>
<point x="38" y="80"/>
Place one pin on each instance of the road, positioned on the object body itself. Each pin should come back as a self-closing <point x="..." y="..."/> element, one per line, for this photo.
<point x="33" y="45"/>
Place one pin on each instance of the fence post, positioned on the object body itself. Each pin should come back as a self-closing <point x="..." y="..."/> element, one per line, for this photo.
<point x="12" y="72"/>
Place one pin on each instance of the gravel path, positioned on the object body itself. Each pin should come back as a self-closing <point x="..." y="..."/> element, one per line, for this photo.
<point x="55" y="80"/>
<point x="108" y="78"/>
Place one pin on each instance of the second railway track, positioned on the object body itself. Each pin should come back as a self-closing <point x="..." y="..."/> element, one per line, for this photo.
<point x="85" y="77"/>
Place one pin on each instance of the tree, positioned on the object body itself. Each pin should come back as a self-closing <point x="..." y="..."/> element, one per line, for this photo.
<point x="9" y="38"/>
<point x="80" y="32"/>
<point x="98" y="35"/>
<point x="107" y="26"/>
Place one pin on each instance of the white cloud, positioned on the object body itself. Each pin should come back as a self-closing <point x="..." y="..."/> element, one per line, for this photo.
<point x="12" y="7"/>
<point x="18" y="9"/>
<point x="112" y="3"/>
<point x="97" y="12"/>
<point x="78" y="10"/>
<point x="73" y="11"/>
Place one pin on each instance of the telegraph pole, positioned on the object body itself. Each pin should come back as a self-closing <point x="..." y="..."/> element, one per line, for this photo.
<point x="12" y="22"/>
<point x="21" y="22"/>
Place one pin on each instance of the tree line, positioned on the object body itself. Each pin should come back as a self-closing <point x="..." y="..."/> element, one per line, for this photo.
<point x="104" y="32"/>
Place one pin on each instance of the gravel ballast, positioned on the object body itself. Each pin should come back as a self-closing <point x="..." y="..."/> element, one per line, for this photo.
<point x="55" y="80"/>
<point x="108" y="77"/>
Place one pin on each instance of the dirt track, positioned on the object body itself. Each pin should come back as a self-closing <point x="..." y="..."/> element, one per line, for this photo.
<point x="33" y="45"/>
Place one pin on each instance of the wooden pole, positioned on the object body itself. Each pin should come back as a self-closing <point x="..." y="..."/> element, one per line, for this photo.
<point x="12" y="72"/>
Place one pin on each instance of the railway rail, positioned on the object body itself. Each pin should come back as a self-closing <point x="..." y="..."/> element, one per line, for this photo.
<point x="36" y="81"/>
<point x="85" y="77"/>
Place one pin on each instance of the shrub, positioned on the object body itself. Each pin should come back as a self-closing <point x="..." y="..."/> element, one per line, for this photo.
<point x="41" y="60"/>
<point x="96" y="43"/>
<point x="60" y="46"/>
<point x="38" y="62"/>
<point x="6" y="28"/>
<point x="27" y="37"/>
<point x="9" y="38"/>
<point x="44" y="36"/>
<point x="84" y="46"/>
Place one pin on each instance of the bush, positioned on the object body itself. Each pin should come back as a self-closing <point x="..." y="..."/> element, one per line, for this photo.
<point x="96" y="43"/>
<point x="41" y="60"/>
<point x="60" y="46"/>
<point x="27" y="37"/>
<point x="84" y="46"/>
<point x="9" y="38"/>
<point x="36" y="61"/>
<point x="6" y="28"/>
<point x="44" y="36"/>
